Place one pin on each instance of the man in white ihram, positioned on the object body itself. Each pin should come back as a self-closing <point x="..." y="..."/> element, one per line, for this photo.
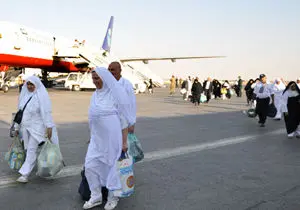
<point x="188" y="88"/>
<point x="115" y="69"/>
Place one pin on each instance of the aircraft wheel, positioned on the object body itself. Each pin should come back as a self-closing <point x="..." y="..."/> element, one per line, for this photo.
<point x="5" y="88"/>
<point x="76" y="88"/>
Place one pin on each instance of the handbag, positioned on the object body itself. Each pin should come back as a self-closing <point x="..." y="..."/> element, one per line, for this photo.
<point x="272" y="111"/>
<point x="251" y="113"/>
<point x="19" y="114"/>
<point x="84" y="189"/>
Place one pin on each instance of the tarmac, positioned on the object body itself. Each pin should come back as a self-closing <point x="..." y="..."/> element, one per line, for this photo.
<point x="206" y="157"/>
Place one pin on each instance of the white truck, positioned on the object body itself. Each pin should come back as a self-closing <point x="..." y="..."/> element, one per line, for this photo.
<point x="83" y="81"/>
<point x="77" y="81"/>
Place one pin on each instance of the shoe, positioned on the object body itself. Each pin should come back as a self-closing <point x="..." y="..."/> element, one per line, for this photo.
<point x="291" y="135"/>
<point x="91" y="204"/>
<point x="298" y="134"/>
<point x="262" y="125"/>
<point x="111" y="204"/>
<point x="22" y="179"/>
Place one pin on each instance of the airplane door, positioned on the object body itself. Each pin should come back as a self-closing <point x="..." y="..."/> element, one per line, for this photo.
<point x="17" y="41"/>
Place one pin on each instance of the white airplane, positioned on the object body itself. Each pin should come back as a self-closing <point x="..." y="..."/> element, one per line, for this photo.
<point x="24" y="47"/>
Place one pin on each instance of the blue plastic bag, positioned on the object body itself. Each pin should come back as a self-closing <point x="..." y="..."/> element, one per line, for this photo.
<point x="203" y="98"/>
<point x="135" y="148"/>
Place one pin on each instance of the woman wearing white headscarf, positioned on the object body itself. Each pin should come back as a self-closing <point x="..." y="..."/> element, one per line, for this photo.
<point x="36" y="123"/>
<point x="108" y="103"/>
<point x="278" y="89"/>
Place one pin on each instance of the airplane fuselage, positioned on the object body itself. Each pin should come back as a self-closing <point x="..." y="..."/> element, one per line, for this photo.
<point x="25" y="47"/>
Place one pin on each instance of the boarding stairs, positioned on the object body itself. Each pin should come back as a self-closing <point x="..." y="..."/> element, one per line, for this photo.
<point x="82" y="55"/>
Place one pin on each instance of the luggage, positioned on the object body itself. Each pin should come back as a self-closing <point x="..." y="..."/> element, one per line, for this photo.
<point x="15" y="155"/>
<point x="125" y="170"/>
<point x="50" y="160"/>
<point x="84" y="189"/>
<point x="203" y="98"/>
<point x="251" y="113"/>
<point x="183" y="91"/>
<point x="135" y="148"/>
<point x="272" y="111"/>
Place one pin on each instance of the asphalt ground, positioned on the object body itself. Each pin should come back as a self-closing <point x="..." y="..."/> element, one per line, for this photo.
<point x="207" y="157"/>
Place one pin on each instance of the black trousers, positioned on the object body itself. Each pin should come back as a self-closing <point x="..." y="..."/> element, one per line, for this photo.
<point x="292" y="120"/>
<point x="208" y="95"/>
<point x="20" y="88"/>
<point x="262" y="109"/>
<point x="196" y="99"/>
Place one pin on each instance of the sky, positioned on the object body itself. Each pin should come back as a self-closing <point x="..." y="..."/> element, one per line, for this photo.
<point x="256" y="36"/>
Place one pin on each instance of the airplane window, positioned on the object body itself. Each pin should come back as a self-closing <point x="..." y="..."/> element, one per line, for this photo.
<point x="98" y="60"/>
<point x="73" y="77"/>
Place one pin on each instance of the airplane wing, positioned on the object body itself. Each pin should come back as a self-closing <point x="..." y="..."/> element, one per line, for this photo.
<point x="173" y="59"/>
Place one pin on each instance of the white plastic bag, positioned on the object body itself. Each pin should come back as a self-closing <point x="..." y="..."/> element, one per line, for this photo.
<point x="125" y="170"/>
<point x="50" y="160"/>
<point x="183" y="91"/>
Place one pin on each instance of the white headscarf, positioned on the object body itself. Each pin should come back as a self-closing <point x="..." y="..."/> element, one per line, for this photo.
<point x="42" y="95"/>
<point x="280" y="86"/>
<point x="116" y="91"/>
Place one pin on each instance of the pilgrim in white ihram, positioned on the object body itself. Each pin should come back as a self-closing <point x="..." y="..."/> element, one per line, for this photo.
<point x="278" y="89"/>
<point x="108" y="103"/>
<point x="36" y="123"/>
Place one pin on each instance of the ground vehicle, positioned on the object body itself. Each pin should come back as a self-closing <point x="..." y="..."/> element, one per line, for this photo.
<point x="4" y="86"/>
<point x="77" y="81"/>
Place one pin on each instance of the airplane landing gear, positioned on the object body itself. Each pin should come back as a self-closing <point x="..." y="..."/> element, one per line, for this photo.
<point x="45" y="78"/>
<point x="5" y="88"/>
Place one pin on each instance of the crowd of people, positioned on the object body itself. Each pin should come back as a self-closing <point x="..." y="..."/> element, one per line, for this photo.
<point x="192" y="89"/>
<point x="278" y="98"/>
<point x="281" y="96"/>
